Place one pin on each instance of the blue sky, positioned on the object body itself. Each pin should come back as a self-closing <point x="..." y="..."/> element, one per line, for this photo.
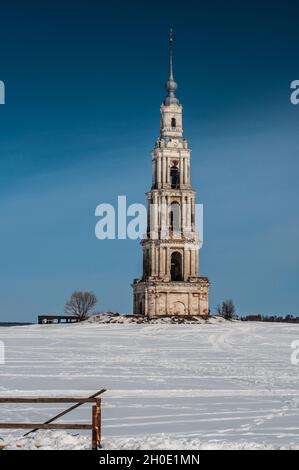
<point x="84" y="82"/>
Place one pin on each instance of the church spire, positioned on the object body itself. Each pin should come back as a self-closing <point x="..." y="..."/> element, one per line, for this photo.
<point x="170" y="55"/>
<point x="171" y="85"/>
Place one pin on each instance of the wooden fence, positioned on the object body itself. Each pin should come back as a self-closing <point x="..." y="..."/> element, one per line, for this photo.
<point x="96" y="417"/>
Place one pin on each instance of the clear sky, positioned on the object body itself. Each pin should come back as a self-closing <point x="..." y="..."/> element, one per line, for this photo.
<point x="84" y="82"/>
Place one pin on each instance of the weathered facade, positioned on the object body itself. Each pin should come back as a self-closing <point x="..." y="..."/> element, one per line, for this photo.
<point x="170" y="284"/>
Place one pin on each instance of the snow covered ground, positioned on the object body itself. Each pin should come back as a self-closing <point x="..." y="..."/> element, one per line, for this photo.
<point x="206" y="386"/>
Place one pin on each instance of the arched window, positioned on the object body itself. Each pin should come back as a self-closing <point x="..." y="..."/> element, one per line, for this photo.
<point x="173" y="122"/>
<point x="174" y="177"/>
<point x="176" y="266"/>
<point x="175" y="217"/>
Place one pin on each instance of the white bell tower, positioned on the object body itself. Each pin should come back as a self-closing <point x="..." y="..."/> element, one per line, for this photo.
<point x="170" y="284"/>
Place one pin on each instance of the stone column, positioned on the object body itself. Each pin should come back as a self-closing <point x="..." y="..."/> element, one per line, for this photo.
<point x="183" y="215"/>
<point x="151" y="303"/>
<point x="167" y="215"/>
<point x="159" y="171"/>
<point x="153" y="260"/>
<point x="181" y="171"/>
<point x="145" y="302"/>
<point x="155" y="212"/>
<point x="182" y="208"/>
<point x="192" y="215"/>
<point x="148" y="224"/>
<point x="189" y="303"/>
<point x="159" y="212"/>
<point x="163" y="170"/>
<point x="162" y="260"/>
<point x="192" y="253"/>
<point x="165" y="260"/>
<point x="157" y="260"/>
<point x="153" y="172"/>
<point x="186" y="264"/>
<point x="163" y="217"/>
<point x="168" y="170"/>
<point x="196" y="261"/>
<point x="167" y="271"/>
<point x="188" y="223"/>
<point x="185" y="170"/>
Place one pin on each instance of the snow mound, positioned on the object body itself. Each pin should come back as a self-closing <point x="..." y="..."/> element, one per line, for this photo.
<point x="119" y="318"/>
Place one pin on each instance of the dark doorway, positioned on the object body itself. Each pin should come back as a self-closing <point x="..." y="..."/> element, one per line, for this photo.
<point x="174" y="177"/>
<point x="176" y="267"/>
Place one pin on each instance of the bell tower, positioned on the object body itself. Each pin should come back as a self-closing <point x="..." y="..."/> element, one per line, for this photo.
<point x="170" y="284"/>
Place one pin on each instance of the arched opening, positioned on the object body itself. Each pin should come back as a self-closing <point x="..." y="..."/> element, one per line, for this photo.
<point x="175" y="217"/>
<point x="173" y="122"/>
<point x="179" y="308"/>
<point x="176" y="266"/>
<point x="174" y="177"/>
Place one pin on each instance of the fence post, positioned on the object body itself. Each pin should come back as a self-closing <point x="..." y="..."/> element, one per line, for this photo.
<point x="96" y="424"/>
<point x="99" y="404"/>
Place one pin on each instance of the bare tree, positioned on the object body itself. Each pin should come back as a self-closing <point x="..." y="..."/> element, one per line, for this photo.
<point x="227" y="309"/>
<point x="81" y="304"/>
